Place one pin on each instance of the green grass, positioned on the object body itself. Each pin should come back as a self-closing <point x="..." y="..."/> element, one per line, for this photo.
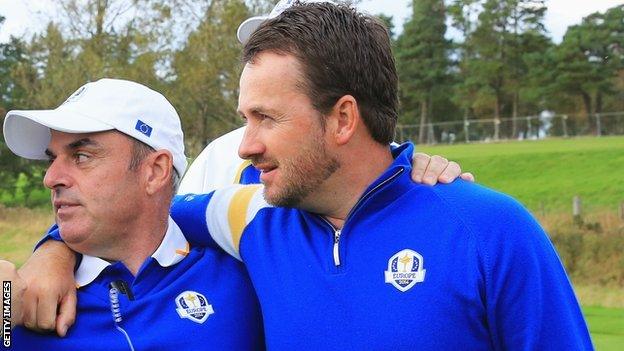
<point x="20" y="229"/>
<point x="548" y="172"/>
<point x="606" y="326"/>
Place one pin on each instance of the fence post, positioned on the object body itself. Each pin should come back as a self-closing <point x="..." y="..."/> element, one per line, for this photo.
<point x="565" y="126"/>
<point x="466" y="124"/>
<point x="577" y="209"/>
<point x="497" y="123"/>
<point x="431" y="134"/>
<point x="598" y="125"/>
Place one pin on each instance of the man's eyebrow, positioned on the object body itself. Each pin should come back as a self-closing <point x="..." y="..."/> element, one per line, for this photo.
<point x="74" y="145"/>
<point x="264" y="111"/>
<point x="82" y="142"/>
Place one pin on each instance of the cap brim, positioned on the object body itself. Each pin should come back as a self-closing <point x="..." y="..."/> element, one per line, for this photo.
<point x="246" y="29"/>
<point x="27" y="133"/>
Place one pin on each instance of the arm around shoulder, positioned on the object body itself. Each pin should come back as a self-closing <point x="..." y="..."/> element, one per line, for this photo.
<point x="218" y="219"/>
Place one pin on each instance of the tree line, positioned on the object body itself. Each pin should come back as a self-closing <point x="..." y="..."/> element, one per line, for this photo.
<point x="505" y="64"/>
<point x="502" y="64"/>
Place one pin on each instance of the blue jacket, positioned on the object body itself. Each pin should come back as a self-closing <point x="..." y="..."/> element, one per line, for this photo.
<point x="182" y="299"/>
<point x="454" y="266"/>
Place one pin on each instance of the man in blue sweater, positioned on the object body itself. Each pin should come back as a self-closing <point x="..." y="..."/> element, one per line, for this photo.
<point x="116" y="149"/>
<point x="352" y="255"/>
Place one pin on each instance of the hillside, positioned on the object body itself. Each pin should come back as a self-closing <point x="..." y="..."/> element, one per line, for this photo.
<point x="549" y="171"/>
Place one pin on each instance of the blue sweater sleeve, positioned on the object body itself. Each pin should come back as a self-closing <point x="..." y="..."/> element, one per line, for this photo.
<point x="52" y="234"/>
<point x="529" y="300"/>
<point x="189" y="213"/>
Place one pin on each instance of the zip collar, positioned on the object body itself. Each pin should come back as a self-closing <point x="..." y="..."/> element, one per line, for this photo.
<point x="395" y="174"/>
<point x="394" y="181"/>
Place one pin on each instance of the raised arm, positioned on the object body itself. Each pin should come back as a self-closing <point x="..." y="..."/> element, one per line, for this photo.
<point x="220" y="218"/>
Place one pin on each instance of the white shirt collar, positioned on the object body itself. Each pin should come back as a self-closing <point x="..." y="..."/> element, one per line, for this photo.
<point x="172" y="250"/>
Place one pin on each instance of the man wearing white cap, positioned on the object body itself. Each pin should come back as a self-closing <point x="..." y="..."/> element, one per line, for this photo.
<point x="116" y="151"/>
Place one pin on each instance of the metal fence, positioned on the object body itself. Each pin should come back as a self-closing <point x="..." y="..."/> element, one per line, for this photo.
<point x="547" y="124"/>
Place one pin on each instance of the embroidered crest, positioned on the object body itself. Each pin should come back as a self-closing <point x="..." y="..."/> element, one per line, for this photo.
<point x="405" y="269"/>
<point x="194" y="306"/>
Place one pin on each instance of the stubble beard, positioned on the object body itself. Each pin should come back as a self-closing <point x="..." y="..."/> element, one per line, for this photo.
<point x="303" y="175"/>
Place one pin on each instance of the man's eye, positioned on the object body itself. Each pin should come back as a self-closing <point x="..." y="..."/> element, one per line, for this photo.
<point x="80" y="158"/>
<point x="265" y="117"/>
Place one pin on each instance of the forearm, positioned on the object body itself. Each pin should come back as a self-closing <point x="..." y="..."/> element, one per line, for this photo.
<point x="51" y="253"/>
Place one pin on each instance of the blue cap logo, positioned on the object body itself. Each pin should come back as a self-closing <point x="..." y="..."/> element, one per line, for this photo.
<point x="143" y="127"/>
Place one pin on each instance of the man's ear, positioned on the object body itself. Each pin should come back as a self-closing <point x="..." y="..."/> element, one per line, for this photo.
<point x="347" y="119"/>
<point x="159" y="165"/>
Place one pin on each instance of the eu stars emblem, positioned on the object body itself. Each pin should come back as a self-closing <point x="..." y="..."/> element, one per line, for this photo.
<point x="144" y="128"/>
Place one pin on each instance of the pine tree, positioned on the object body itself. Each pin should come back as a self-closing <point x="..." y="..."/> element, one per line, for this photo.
<point x="497" y="66"/>
<point x="590" y="57"/>
<point x="422" y="60"/>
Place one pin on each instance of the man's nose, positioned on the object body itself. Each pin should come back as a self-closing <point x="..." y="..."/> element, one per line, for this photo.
<point x="56" y="175"/>
<point x="251" y="145"/>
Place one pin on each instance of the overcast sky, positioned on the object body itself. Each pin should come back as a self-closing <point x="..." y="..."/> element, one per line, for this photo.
<point x="29" y="16"/>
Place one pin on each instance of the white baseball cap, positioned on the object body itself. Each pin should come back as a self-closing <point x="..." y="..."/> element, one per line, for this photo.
<point x="108" y="104"/>
<point x="246" y="29"/>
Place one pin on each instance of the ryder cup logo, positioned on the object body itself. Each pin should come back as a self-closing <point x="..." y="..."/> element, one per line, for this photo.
<point x="194" y="306"/>
<point x="405" y="269"/>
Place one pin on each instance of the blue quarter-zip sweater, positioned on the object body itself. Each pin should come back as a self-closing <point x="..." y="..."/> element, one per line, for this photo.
<point x="455" y="266"/>
<point x="182" y="298"/>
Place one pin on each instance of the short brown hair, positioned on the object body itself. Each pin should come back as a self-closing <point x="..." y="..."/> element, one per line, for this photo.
<point x="342" y="52"/>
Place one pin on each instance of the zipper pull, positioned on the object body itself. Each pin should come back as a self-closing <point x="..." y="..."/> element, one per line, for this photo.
<point x="123" y="288"/>
<point x="336" y="247"/>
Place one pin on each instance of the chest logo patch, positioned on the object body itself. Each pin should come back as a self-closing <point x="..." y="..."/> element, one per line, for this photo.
<point x="405" y="269"/>
<point x="194" y="306"/>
